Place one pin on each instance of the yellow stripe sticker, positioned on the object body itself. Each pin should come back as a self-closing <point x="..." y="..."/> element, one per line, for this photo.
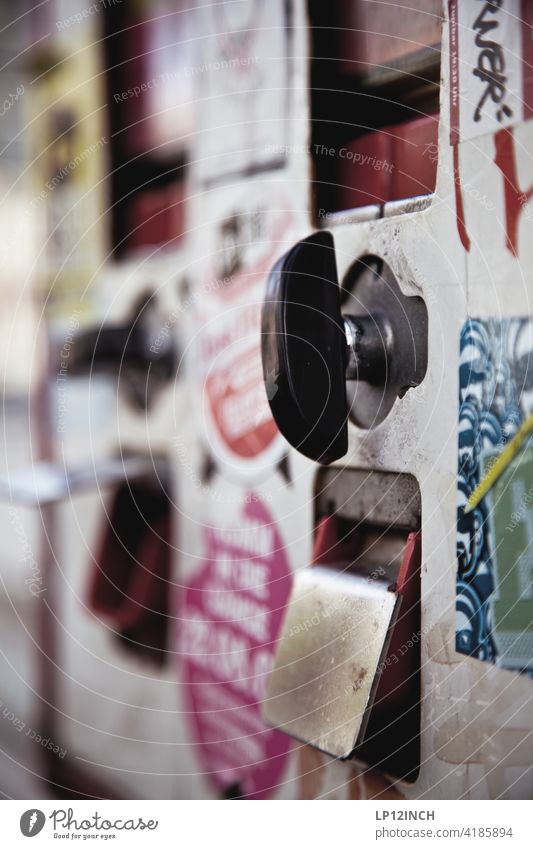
<point x="498" y="467"/>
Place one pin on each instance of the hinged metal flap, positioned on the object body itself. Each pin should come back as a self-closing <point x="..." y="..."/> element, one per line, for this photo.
<point x="336" y="633"/>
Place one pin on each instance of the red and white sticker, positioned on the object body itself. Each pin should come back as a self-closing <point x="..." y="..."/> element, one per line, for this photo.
<point x="236" y="413"/>
<point x="229" y="622"/>
<point x="238" y="404"/>
<point x="248" y="234"/>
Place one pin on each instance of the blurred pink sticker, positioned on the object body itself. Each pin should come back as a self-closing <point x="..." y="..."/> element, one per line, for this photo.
<point x="229" y="621"/>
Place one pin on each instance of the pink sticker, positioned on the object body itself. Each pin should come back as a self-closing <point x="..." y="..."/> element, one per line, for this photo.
<point x="229" y="622"/>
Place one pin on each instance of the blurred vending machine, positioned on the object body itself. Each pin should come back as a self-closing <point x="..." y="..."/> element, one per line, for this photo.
<point x="361" y="585"/>
<point x="291" y="553"/>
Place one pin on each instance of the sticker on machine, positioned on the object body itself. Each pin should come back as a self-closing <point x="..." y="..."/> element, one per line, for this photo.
<point x="243" y="243"/>
<point x="494" y="605"/>
<point x="491" y="79"/>
<point x="244" y="52"/>
<point x="229" y="620"/>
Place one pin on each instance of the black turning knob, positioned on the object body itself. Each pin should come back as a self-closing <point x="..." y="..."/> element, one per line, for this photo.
<point x="309" y="349"/>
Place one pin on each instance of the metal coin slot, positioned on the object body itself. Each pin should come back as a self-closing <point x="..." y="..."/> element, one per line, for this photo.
<point x="391" y="348"/>
<point x="324" y="358"/>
